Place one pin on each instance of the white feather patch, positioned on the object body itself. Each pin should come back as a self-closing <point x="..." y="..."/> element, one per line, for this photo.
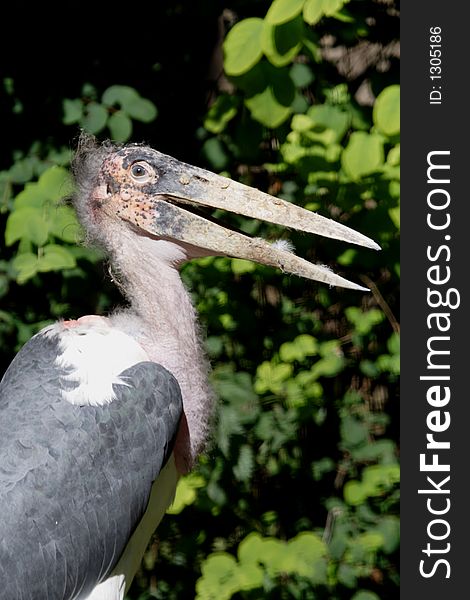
<point x="94" y="354"/>
<point x="112" y="588"/>
<point x="285" y="245"/>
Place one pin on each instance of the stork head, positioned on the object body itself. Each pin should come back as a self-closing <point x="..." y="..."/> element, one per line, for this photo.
<point x="158" y="196"/>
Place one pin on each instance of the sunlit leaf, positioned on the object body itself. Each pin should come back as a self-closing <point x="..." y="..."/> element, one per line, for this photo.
<point x="281" y="11"/>
<point x="325" y="117"/>
<point x="220" y="113"/>
<point x="281" y="43"/>
<point x="55" y="258"/>
<point x="266" y="109"/>
<point x="186" y="492"/>
<point x="64" y="225"/>
<point x="242" y="46"/>
<point x="354" y="493"/>
<point x="313" y="11"/>
<point x="363" y="155"/>
<point x="27" y="223"/>
<point x="241" y="266"/>
<point x="26" y="266"/>
<point x="386" y="113"/>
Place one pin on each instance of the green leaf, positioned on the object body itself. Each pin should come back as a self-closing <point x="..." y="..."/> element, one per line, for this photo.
<point x="383" y="451"/>
<point x="376" y="479"/>
<point x="236" y="388"/>
<point x="30" y="197"/>
<point x="25" y="265"/>
<point x="142" y="110"/>
<point x="73" y="111"/>
<point x="281" y="43"/>
<point x="214" y="346"/>
<point x="241" y="266"/>
<point x="393" y="157"/>
<point x="131" y="102"/>
<point x="365" y="595"/>
<point x="304" y="345"/>
<point x="306" y="553"/>
<point x="64" y="225"/>
<point x="55" y="183"/>
<point x="250" y="577"/>
<point x="123" y="95"/>
<point x="363" y="155"/>
<point x="301" y="75"/>
<point x="370" y="541"/>
<point x="242" y="46"/>
<point x="332" y="6"/>
<point x="313" y="11"/>
<point x="381" y="475"/>
<point x="394" y="214"/>
<point x="250" y="548"/>
<point x="219" y="578"/>
<point x="393" y="343"/>
<point x="389" y="527"/>
<point x="347" y="575"/>
<point x="364" y="321"/>
<point x="220" y="113"/>
<point x="95" y="117"/>
<point x="27" y="223"/>
<point x="332" y="360"/>
<point x="120" y="126"/>
<point x="270" y="377"/>
<point x="354" y="493"/>
<point x="386" y="113"/>
<point x="353" y="431"/>
<point x="21" y="171"/>
<point x="186" y="492"/>
<point x="329" y="123"/>
<point x="369" y="368"/>
<point x="301" y="123"/>
<point x="347" y="257"/>
<point x="245" y="464"/>
<point x="55" y="258"/>
<point x="281" y="11"/>
<point x="214" y="152"/>
<point x="266" y="109"/>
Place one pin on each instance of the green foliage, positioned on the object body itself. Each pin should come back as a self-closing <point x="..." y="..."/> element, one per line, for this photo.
<point x="297" y="497"/>
<point x="331" y="153"/>
<point x="260" y="562"/>
<point x="37" y="221"/>
<point x="119" y="105"/>
<point x="387" y="111"/>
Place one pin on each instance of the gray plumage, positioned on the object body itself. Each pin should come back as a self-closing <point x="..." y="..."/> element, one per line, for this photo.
<point x="62" y="530"/>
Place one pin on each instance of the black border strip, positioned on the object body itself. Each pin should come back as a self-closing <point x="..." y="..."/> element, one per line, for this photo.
<point x="435" y="271"/>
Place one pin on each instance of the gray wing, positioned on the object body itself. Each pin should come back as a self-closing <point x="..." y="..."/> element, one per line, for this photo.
<point x="75" y="480"/>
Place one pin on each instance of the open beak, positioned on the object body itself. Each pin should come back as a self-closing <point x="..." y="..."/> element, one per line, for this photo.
<point x="164" y="208"/>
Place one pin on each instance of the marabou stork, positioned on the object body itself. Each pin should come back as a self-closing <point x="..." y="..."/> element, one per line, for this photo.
<point x="100" y="416"/>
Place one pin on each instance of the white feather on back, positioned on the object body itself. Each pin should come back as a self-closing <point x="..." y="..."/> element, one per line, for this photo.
<point x="94" y="354"/>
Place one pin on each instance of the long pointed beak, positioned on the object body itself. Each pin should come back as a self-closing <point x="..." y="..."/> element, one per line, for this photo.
<point x="163" y="208"/>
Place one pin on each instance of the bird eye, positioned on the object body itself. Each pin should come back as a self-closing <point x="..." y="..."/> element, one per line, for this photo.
<point x="141" y="172"/>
